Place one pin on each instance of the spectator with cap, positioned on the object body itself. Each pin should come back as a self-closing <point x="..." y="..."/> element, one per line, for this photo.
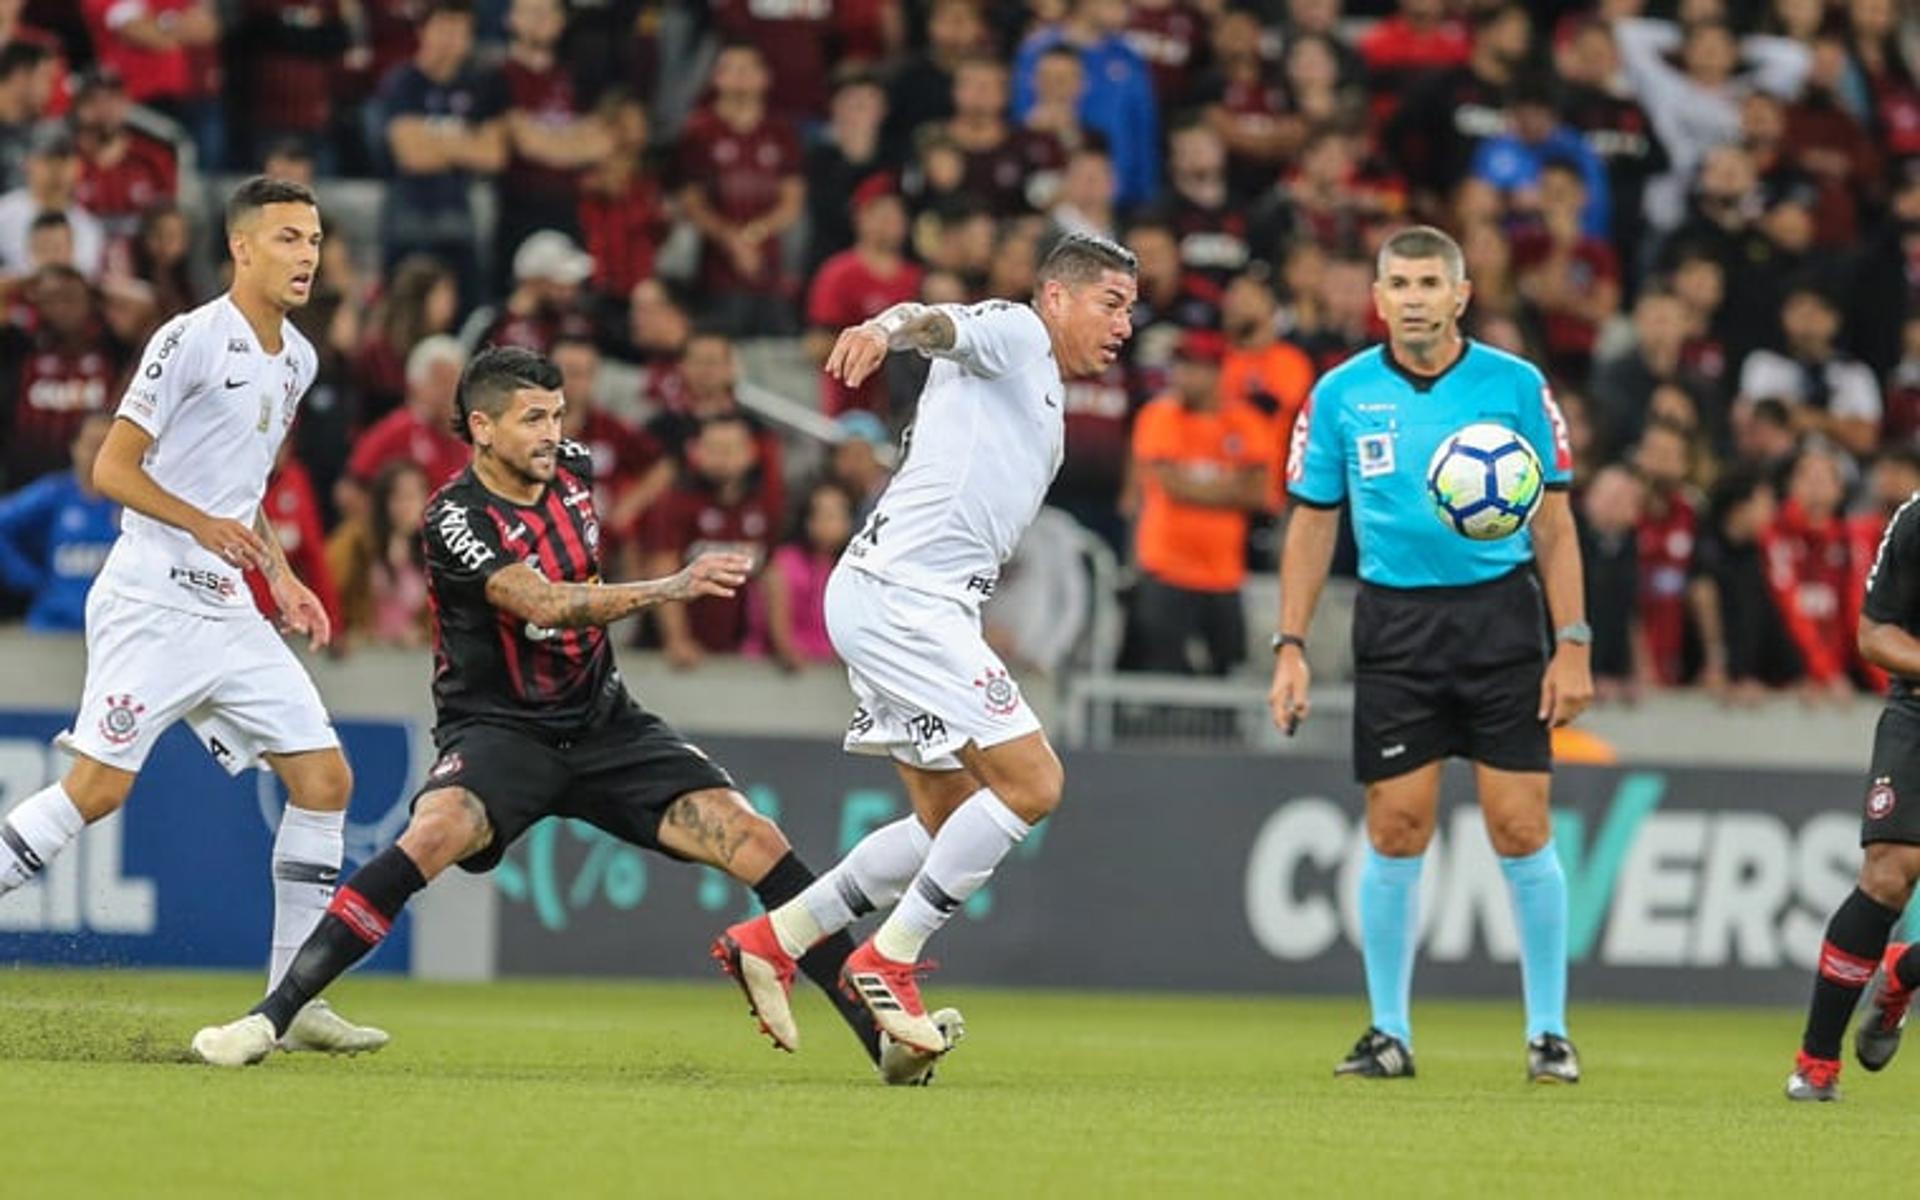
<point x="123" y="171"/>
<point x="55" y="534"/>
<point x="548" y="271"/>
<point x="857" y="284"/>
<point x="847" y="152"/>
<point x="1831" y="393"/>
<point x="1201" y="461"/>
<point x="623" y="212"/>
<point x="20" y="64"/>
<point x="1118" y="102"/>
<point x="444" y="130"/>
<point x="856" y="465"/>
<point x="53" y="179"/>
<point x="741" y="187"/>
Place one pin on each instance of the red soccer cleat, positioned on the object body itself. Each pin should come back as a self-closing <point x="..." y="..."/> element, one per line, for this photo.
<point x="753" y="956"/>
<point x="891" y="992"/>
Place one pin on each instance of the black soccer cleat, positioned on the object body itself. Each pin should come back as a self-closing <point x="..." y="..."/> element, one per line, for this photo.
<point x="1552" y="1059"/>
<point x="1377" y="1055"/>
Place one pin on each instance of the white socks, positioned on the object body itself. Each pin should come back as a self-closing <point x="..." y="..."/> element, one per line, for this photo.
<point x="306" y="869"/>
<point x="872" y="875"/>
<point x="37" y="829"/>
<point x="969" y="846"/>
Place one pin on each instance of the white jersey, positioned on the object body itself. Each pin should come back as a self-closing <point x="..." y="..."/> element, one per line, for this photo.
<point x="986" y="443"/>
<point x="218" y="407"/>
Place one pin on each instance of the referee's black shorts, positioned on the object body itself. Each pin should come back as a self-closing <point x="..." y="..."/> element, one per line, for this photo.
<point x="1892" y="812"/>
<point x="1443" y="672"/>
<point x="621" y="774"/>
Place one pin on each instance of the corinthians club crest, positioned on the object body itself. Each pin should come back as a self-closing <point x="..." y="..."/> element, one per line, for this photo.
<point x="121" y="724"/>
<point x="1002" y="695"/>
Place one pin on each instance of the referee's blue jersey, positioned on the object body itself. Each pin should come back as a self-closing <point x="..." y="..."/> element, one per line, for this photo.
<point x="1367" y="433"/>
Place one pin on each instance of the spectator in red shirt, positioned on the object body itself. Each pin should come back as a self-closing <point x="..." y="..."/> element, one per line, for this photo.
<point x="1668" y="529"/>
<point x="548" y="270"/>
<point x="1809" y="572"/>
<point x="1171" y="36"/>
<point x="122" y="171"/>
<point x="1421" y="37"/>
<point x="741" y="187"/>
<point x="623" y="457"/>
<point x="53" y="375"/>
<point x="421" y="430"/>
<point x="623" y="215"/>
<point x="723" y="505"/>
<point x="1569" y="277"/>
<point x="146" y="43"/>
<point x="293" y="50"/>
<point x="550" y="138"/>
<point x="860" y="283"/>
<point x="422" y="300"/>
<point x="792" y="36"/>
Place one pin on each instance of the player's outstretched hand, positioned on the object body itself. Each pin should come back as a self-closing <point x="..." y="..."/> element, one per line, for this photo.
<point x="302" y="612"/>
<point x="716" y="574"/>
<point x="1567" y="688"/>
<point x="1288" y="697"/>
<point x="233" y="542"/>
<point x="857" y="353"/>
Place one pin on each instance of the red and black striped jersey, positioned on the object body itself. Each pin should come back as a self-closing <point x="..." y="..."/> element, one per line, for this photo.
<point x="47" y="391"/>
<point x="488" y="663"/>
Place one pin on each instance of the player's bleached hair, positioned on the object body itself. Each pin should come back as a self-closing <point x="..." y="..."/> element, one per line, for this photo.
<point x="439" y="348"/>
<point x="1083" y="257"/>
<point x="491" y="379"/>
<point x="262" y="190"/>
<point x="1424" y="241"/>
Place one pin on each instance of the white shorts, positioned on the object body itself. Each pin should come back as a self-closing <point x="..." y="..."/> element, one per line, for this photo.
<point x="234" y="680"/>
<point x="924" y="680"/>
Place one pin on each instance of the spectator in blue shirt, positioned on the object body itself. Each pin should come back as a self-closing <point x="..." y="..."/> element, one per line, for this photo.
<point x="1119" y="101"/>
<point x="1510" y="164"/>
<point x="55" y="534"/>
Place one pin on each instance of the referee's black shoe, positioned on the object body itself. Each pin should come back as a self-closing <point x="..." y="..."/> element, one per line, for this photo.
<point x="1552" y="1059"/>
<point x="1377" y="1055"/>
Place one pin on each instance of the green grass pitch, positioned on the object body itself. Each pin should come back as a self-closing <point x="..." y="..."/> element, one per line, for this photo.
<point x="569" y="1088"/>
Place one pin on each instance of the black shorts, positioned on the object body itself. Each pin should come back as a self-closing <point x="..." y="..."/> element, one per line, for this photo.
<point x="1440" y="672"/>
<point x="621" y="775"/>
<point x="1892" y="811"/>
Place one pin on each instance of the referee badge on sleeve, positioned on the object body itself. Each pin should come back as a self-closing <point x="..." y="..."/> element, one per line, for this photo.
<point x="1376" y="454"/>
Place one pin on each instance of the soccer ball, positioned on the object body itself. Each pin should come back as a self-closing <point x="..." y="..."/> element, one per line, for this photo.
<point x="1485" y="482"/>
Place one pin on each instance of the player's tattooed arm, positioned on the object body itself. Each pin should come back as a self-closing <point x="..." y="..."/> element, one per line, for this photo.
<point x="524" y="592"/>
<point x="275" y="564"/>
<point x="916" y="327"/>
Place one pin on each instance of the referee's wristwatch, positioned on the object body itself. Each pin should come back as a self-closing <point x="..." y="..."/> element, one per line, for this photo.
<point x="1577" y="633"/>
<point x="1282" y="640"/>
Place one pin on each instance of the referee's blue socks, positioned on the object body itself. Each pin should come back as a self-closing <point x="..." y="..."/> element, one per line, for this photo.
<point x="1539" y="890"/>
<point x="1389" y="933"/>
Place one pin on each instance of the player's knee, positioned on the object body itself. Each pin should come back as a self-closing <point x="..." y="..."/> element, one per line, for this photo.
<point x="326" y="788"/>
<point x="1516" y="835"/>
<point x="1398" y="833"/>
<point x="1037" y="793"/>
<point x="1887" y="877"/>
<point x="96" y="791"/>
<point x="763" y="839"/>
<point x="446" y="827"/>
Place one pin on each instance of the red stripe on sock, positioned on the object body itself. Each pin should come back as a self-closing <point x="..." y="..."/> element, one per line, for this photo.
<point x="1847" y="970"/>
<point x="368" y="923"/>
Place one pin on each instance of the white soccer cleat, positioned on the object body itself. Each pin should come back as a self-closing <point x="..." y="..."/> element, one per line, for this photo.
<point x="903" y="1066"/>
<point x="319" y="1029"/>
<point x="236" y="1044"/>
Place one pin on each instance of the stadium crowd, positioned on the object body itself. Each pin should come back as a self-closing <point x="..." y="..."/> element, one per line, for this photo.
<point x="1702" y="222"/>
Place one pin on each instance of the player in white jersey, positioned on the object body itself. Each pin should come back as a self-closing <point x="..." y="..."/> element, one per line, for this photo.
<point x="172" y="631"/>
<point x="903" y="611"/>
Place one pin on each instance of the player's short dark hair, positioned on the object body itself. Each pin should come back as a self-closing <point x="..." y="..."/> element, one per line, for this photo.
<point x="1900" y="456"/>
<point x="262" y="190"/>
<point x="491" y="379"/>
<point x="17" y="56"/>
<point x="1772" y="410"/>
<point x="1083" y="257"/>
<point x="447" y="8"/>
<point x="1424" y="241"/>
<point x="1738" y="485"/>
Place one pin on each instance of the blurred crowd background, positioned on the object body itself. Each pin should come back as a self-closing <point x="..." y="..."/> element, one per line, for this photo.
<point x="1702" y="221"/>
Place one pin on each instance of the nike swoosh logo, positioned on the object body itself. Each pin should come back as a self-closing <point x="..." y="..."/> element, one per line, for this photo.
<point x="1052" y="403"/>
<point x="240" y="384"/>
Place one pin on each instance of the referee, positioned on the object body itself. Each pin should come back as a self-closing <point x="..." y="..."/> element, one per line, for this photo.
<point x="1448" y="635"/>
